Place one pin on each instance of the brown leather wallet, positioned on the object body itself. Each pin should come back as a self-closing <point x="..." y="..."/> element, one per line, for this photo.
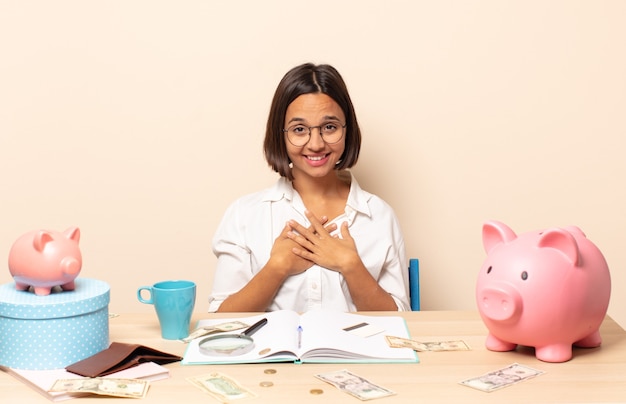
<point x="119" y="356"/>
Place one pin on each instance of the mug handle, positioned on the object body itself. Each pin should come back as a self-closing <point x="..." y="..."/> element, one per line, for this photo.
<point x="141" y="299"/>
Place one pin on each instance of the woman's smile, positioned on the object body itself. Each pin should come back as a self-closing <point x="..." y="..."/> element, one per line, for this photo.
<point x="317" y="160"/>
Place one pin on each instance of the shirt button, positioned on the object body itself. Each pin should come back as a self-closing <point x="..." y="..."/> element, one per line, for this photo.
<point x="314" y="286"/>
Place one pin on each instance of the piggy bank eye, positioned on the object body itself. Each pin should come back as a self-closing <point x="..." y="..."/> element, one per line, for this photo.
<point x="489" y="269"/>
<point x="524" y="275"/>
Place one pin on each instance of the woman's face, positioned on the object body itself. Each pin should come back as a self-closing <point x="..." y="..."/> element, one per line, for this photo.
<point x="316" y="158"/>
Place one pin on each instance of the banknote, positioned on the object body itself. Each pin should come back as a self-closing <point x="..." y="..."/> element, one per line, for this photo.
<point x="130" y="388"/>
<point x="436" y="346"/>
<point x="501" y="378"/>
<point x="211" y="329"/>
<point x="354" y="385"/>
<point x="221" y="387"/>
<point x="398" y="342"/>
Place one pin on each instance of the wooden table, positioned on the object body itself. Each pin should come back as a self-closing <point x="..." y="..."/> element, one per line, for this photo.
<point x="593" y="375"/>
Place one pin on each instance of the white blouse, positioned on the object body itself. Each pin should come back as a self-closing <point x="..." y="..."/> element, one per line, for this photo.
<point x="245" y="237"/>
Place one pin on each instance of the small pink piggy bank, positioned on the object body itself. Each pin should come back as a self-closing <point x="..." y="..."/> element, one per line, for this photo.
<point x="45" y="259"/>
<point x="546" y="289"/>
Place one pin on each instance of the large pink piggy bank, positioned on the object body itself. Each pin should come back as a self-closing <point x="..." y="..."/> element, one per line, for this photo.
<point x="45" y="259"/>
<point x="546" y="289"/>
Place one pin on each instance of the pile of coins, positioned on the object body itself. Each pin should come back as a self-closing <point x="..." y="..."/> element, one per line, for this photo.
<point x="268" y="383"/>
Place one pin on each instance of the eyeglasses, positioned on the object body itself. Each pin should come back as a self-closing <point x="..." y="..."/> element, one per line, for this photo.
<point x="331" y="133"/>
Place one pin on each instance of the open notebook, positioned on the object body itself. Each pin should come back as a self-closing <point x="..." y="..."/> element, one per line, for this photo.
<point x="316" y="336"/>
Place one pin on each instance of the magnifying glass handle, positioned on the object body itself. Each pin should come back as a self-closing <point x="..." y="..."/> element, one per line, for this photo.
<point x="255" y="327"/>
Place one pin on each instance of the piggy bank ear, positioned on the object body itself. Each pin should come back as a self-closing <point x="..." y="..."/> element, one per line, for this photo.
<point x="40" y="240"/>
<point x="496" y="233"/>
<point x="562" y="241"/>
<point x="73" y="233"/>
<point x="575" y="230"/>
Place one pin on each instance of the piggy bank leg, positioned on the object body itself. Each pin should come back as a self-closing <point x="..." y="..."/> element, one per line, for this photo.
<point x="68" y="286"/>
<point x="496" y="344"/>
<point x="554" y="353"/>
<point x="593" y="340"/>
<point x="21" y="286"/>
<point x="42" y="290"/>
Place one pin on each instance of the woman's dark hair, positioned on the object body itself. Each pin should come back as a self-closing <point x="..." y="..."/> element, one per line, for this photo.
<point x="309" y="79"/>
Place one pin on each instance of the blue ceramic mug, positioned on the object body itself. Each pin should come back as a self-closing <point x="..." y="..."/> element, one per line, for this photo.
<point x="174" y="302"/>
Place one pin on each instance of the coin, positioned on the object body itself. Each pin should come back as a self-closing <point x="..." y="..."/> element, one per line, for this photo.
<point x="269" y="371"/>
<point x="266" y="384"/>
<point x="317" y="391"/>
<point x="264" y="351"/>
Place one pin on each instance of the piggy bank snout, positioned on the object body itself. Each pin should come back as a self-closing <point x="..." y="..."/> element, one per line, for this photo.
<point x="500" y="303"/>
<point x="70" y="266"/>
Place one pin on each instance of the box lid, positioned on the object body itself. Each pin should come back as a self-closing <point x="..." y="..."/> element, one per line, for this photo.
<point x="89" y="295"/>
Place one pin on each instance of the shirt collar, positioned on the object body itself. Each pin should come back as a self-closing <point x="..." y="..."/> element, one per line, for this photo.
<point x="358" y="199"/>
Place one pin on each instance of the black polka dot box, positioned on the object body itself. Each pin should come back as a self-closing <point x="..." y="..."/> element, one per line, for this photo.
<point x="53" y="331"/>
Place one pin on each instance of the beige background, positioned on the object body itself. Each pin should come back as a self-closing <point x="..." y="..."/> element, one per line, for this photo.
<point x="140" y="121"/>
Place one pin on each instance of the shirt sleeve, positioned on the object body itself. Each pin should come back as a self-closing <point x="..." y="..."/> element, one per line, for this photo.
<point x="233" y="256"/>
<point x="394" y="278"/>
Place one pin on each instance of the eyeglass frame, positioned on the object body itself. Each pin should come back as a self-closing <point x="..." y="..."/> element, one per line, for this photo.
<point x="319" y="127"/>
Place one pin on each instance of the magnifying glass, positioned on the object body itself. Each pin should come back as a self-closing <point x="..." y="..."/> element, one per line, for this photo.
<point x="230" y="344"/>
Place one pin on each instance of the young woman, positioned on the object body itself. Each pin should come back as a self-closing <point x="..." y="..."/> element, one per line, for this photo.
<point x="315" y="239"/>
